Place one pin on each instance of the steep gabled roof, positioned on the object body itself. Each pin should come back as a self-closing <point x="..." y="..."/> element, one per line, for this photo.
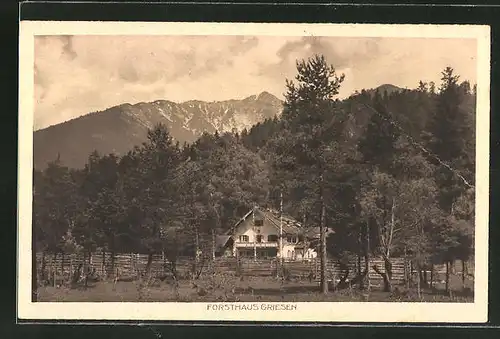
<point x="221" y="241"/>
<point x="290" y="225"/>
<point x="230" y="231"/>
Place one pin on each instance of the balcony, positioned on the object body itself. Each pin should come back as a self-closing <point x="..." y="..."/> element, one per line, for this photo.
<point x="256" y="244"/>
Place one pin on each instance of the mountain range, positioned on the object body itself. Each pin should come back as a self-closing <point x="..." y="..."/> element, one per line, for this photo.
<point x="118" y="129"/>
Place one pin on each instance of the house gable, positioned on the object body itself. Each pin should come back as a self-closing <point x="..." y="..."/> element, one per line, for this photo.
<point x="248" y="227"/>
<point x="257" y="234"/>
<point x="271" y="222"/>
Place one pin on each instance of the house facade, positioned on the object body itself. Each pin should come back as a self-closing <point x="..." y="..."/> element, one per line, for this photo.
<point x="257" y="235"/>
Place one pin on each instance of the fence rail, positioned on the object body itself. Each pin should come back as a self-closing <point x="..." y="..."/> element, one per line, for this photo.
<point x="130" y="265"/>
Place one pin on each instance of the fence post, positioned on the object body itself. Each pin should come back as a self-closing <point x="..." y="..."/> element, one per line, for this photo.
<point x="62" y="266"/>
<point x="51" y="271"/>
<point x="71" y="271"/>
<point x="132" y="266"/>
<point x="55" y="274"/>
<point x="276" y="263"/>
<point x="368" y="274"/>
<point x="164" y="264"/>
<point x="103" y="264"/>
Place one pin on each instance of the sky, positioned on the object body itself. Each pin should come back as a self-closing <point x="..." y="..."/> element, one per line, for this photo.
<point x="79" y="74"/>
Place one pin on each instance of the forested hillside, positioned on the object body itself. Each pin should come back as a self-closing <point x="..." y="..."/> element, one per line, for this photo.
<point x="118" y="129"/>
<point x="391" y="172"/>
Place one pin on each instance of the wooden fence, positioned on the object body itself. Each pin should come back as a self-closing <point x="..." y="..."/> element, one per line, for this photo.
<point x="128" y="266"/>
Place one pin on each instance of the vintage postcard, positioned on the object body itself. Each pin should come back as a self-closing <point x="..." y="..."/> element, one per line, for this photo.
<point x="253" y="172"/>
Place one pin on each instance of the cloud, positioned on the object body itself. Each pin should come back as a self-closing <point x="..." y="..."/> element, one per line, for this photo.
<point x="68" y="46"/>
<point x="345" y="54"/>
<point x="78" y="74"/>
<point x="341" y="52"/>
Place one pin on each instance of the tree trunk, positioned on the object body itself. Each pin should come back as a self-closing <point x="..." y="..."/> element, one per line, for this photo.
<point x="385" y="277"/>
<point x="386" y="251"/>
<point x="173" y="269"/>
<point x="405" y="270"/>
<point x="463" y="274"/>
<point x="77" y="274"/>
<point x="344" y="268"/>
<point x="197" y="249"/>
<point x="324" y="283"/>
<point x="367" y="254"/>
<point x="213" y="244"/>
<point x="388" y="274"/>
<point x="62" y="266"/>
<point x="361" y="253"/>
<point x="113" y="263"/>
<point x="420" y="275"/>
<point x="306" y="243"/>
<point x="423" y="277"/>
<point x="164" y="261"/>
<point x="43" y="268"/>
<point x="71" y="269"/>
<point x="54" y="270"/>
<point x="50" y="269"/>
<point x="432" y="276"/>
<point x="447" y="285"/>
<point x="360" y="250"/>
<point x="89" y="269"/>
<point x="418" y="284"/>
<point x="84" y="262"/>
<point x="359" y="271"/>
<point x="147" y="271"/>
<point x="103" y="265"/>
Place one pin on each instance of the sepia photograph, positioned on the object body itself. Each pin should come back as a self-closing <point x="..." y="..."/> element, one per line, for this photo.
<point x="268" y="172"/>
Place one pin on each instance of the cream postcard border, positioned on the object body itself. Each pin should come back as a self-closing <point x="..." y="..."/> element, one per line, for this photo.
<point x="305" y="311"/>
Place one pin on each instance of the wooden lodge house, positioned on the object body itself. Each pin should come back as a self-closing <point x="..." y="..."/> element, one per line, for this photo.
<point x="257" y="235"/>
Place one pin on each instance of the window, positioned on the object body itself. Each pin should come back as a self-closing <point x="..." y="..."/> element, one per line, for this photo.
<point x="291" y="239"/>
<point x="243" y="238"/>
<point x="259" y="238"/>
<point x="272" y="238"/>
<point x="258" y="222"/>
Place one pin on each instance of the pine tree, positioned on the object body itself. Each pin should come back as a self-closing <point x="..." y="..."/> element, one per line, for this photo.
<point x="307" y="150"/>
<point x="422" y="87"/>
<point x="432" y="87"/>
<point x="450" y="131"/>
<point x="378" y="196"/>
<point x="377" y="145"/>
<point x="147" y="188"/>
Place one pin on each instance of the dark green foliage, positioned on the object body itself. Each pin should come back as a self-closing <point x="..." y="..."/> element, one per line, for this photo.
<point x="259" y="134"/>
<point x="378" y="144"/>
<point x="364" y="159"/>
<point x="56" y="206"/>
